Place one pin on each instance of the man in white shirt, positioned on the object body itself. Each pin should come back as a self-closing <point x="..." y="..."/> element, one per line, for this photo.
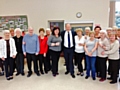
<point x="68" y="44"/>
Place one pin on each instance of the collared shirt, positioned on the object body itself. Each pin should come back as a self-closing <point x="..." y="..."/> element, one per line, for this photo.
<point x="66" y="39"/>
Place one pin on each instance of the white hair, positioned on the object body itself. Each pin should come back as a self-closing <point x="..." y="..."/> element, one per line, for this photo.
<point x="87" y="28"/>
<point x="6" y="31"/>
<point x="103" y="31"/>
<point x="48" y="29"/>
<point x="115" y="27"/>
<point x="109" y="28"/>
<point x="30" y="28"/>
<point x="18" y="29"/>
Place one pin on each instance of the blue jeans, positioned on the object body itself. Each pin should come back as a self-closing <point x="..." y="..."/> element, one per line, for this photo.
<point x="90" y="66"/>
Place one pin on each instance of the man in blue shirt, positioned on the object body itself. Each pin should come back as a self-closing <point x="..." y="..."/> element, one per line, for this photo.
<point x="31" y="49"/>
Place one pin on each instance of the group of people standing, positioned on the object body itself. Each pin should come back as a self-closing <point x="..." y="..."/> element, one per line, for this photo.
<point x="95" y="47"/>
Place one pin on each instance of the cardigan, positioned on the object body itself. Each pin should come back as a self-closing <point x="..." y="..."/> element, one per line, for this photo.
<point x="113" y="53"/>
<point x="43" y="45"/>
<point x="3" y="51"/>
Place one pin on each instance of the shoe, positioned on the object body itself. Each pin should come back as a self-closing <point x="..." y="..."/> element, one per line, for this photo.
<point x="23" y="74"/>
<point x="38" y="74"/>
<point x="54" y="75"/>
<point x="11" y="77"/>
<point x="42" y="72"/>
<point x="2" y="73"/>
<point x="17" y="74"/>
<point x="113" y="82"/>
<point x="86" y="77"/>
<point x="46" y="72"/>
<point x="78" y="73"/>
<point x="109" y="78"/>
<point x="82" y="74"/>
<point x="57" y="73"/>
<point x="94" y="78"/>
<point x="66" y="72"/>
<point x="101" y="80"/>
<point x="73" y="76"/>
<point x="8" y="78"/>
<point x="29" y="74"/>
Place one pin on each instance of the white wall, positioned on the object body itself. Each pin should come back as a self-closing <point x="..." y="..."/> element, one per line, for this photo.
<point x="40" y="11"/>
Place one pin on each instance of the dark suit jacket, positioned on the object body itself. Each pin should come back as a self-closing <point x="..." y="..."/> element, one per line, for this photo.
<point x="73" y="35"/>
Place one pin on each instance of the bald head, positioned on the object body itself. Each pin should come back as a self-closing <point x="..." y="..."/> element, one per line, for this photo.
<point x="30" y="31"/>
<point x="67" y="27"/>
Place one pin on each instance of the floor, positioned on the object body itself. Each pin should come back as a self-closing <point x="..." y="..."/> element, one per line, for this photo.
<point x="48" y="82"/>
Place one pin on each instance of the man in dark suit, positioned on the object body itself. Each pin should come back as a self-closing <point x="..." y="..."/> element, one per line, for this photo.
<point x="68" y="44"/>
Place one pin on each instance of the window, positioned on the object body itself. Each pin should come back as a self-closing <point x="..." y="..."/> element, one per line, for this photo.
<point x="117" y="14"/>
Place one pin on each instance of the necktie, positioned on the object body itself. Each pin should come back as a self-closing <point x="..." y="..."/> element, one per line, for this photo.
<point x="68" y="39"/>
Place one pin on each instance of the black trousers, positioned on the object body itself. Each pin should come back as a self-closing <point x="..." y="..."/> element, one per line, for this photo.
<point x="20" y="62"/>
<point x="103" y="66"/>
<point x="42" y="61"/>
<point x="75" y="60"/>
<point x="1" y="65"/>
<point x="48" y="59"/>
<point x="109" y="67"/>
<point x="9" y="66"/>
<point x="114" y="69"/>
<point x="31" y="57"/>
<point x="79" y="57"/>
<point x="55" y="55"/>
<point x="97" y="65"/>
<point x="68" y="55"/>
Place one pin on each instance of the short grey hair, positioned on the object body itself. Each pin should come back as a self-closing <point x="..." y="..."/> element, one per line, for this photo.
<point x="87" y="28"/>
<point x="18" y="29"/>
<point x="6" y="31"/>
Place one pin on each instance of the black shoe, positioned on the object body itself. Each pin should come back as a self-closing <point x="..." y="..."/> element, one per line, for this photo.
<point x="2" y="74"/>
<point x="109" y="78"/>
<point x="57" y="73"/>
<point x="66" y="72"/>
<point x="113" y="82"/>
<point x="23" y="74"/>
<point x="81" y="74"/>
<point x="29" y="74"/>
<point x="78" y="73"/>
<point x="17" y="74"/>
<point x="73" y="76"/>
<point x="38" y="74"/>
<point x="46" y="72"/>
<point x="94" y="78"/>
<point x="42" y="72"/>
<point x="8" y="78"/>
<point x="54" y="75"/>
<point x="86" y="77"/>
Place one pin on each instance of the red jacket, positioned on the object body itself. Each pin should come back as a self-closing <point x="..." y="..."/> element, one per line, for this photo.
<point x="43" y="45"/>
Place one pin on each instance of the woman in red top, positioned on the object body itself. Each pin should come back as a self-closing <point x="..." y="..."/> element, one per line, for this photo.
<point x="43" y="51"/>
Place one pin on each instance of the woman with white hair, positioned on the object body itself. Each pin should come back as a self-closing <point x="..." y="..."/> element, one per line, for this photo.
<point x="113" y="57"/>
<point x="103" y="45"/>
<point x="19" y="57"/>
<point x="8" y="53"/>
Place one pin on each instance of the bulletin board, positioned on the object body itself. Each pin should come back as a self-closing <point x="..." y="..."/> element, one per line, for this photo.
<point x="7" y="22"/>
